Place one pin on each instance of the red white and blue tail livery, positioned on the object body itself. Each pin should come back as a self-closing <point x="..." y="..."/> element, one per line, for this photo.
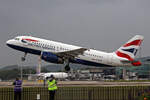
<point x="60" y="53"/>
<point x="129" y="50"/>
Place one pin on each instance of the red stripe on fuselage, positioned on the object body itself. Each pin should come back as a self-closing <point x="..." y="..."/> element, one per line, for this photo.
<point x="31" y="40"/>
<point x="123" y="55"/>
<point x="136" y="42"/>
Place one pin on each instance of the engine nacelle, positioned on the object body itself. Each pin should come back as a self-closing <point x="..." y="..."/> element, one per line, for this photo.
<point x="50" y="57"/>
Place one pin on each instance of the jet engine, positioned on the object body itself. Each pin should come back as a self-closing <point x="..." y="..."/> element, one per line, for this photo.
<point x="50" y="57"/>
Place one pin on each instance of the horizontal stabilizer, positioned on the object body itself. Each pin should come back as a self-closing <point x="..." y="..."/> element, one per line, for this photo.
<point x="134" y="63"/>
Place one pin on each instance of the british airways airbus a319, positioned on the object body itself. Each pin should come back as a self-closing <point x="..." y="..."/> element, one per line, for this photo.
<point x="60" y="53"/>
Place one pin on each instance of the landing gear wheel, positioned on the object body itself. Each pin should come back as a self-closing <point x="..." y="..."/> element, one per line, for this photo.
<point x="67" y="68"/>
<point x="23" y="58"/>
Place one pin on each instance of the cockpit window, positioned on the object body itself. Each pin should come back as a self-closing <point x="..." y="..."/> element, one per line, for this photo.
<point x="16" y="38"/>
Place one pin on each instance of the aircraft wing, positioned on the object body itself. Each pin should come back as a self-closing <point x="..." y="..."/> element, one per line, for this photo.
<point x="71" y="53"/>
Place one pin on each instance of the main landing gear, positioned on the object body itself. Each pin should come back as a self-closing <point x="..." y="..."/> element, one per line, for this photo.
<point x="24" y="57"/>
<point x="67" y="67"/>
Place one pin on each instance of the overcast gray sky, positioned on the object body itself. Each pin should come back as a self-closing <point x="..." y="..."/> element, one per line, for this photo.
<point x="101" y="24"/>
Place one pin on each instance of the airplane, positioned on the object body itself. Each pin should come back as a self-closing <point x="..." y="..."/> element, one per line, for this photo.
<point x="58" y="75"/>
<point x="60" y="53"/>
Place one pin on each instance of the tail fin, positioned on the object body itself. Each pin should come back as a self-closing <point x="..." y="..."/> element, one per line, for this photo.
<point x="130" y="49"/>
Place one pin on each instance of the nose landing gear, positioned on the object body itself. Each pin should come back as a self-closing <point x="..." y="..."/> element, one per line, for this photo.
<point x="24" y="57"/>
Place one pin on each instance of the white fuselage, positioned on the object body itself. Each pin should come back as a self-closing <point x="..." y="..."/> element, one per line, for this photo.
<point x="35" y="45"/>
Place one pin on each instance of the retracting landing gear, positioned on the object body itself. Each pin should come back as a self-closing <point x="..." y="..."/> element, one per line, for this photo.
<point x="24" y="57"/>
<point x="67" y="67"/>
<point x="21" y="69"/>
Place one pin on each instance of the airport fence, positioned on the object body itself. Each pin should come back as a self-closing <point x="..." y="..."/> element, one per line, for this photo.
<point x="79" y="93"/>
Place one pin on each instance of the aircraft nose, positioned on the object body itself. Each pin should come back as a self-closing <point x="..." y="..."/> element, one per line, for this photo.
<point x="8" y="42"/>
